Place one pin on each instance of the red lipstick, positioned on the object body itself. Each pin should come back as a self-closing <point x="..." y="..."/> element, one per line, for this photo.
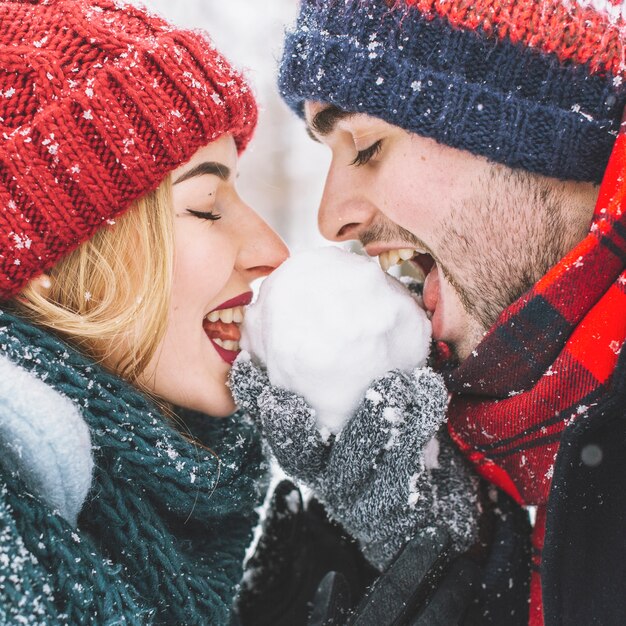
<point x="227" y="355"/>
<point x="240" y="300"/>
<point x="225" y="331"/>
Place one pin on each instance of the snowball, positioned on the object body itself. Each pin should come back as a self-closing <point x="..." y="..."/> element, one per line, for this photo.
<point x="327" y="323"/>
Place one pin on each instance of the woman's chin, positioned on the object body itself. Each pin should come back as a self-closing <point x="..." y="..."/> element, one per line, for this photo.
<point x="215" y="406"/>
<point x="222" y="412"/>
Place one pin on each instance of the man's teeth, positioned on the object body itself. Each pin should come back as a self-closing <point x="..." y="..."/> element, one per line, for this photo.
<point x="227" y="344"/>
<point x="389" y="258"/>
<point x="228" y="316"/>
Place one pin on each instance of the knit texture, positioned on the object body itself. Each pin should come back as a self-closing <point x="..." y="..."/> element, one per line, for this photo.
<point x="533" y="84"/>
<point x="390" y="474"/>
<point x="99" y="100"/>
<point x="546" y="362"/>
<point x="162" y="536"/>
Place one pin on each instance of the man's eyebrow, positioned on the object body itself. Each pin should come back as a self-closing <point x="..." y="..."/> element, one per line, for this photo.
<point x="208" y="167"/>
<point x="324" y="121"/>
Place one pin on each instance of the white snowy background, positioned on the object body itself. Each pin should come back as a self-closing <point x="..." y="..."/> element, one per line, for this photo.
<point x="282" y="171"/>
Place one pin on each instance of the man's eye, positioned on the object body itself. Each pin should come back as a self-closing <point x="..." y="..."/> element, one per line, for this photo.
<point x="205" y="215"/>
<point x="363" y="156"/>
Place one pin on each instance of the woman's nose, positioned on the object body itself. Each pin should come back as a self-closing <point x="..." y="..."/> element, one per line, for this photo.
<point x="344" y="211"/>
<point x="262" y="249"/>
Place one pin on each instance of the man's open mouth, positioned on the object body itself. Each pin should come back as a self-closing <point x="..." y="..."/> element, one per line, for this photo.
<point x="423" y="270"/>
<point x="421" y="261"/>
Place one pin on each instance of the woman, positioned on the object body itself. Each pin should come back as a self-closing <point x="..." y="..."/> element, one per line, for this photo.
<point x="126" y="258"/>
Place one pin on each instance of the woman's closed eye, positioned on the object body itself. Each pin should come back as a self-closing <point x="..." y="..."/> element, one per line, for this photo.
<point x="363" y="156"/>
<point x="205" y="215"/>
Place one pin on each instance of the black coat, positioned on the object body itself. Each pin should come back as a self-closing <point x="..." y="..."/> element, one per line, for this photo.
<point x="584" y="555"/>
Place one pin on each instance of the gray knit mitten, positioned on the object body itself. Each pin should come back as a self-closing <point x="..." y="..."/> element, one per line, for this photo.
<point x="390" y="473"/>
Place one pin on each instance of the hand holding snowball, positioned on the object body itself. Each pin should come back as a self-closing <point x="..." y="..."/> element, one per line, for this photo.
<point x="327" y="323"/>
<point x="347" y="405"/>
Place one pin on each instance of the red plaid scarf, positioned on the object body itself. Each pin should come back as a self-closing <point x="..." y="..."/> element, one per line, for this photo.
<point x="549" y="357"/>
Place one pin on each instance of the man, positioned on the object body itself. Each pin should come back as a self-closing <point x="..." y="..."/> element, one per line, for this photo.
<point x="472" y="138"/>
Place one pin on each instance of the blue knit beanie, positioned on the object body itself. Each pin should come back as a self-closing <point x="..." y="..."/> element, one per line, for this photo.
<point x="533" y="84"/>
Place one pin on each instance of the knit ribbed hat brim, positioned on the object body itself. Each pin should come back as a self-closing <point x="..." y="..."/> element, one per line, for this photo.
<point x="463" y="87"/>
<point x="100" y="101"/>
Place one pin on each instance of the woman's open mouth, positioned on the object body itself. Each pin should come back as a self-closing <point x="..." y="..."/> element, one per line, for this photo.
<point x="222" y="326"/>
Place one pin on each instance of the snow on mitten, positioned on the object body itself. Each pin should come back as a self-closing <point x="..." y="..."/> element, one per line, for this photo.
<point x="390" y="473"/>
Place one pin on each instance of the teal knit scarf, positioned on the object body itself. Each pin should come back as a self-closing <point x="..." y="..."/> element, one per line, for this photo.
<point x="162" y="536"/>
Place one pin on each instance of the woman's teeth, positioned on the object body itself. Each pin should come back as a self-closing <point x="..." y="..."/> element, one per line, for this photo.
<point x="227" y="344"/>
<point x="228" y="316"/>
<point x="220" y="334"/>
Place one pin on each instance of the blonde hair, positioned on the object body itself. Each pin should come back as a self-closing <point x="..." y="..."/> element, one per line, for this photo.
<point x="110" y="297"/>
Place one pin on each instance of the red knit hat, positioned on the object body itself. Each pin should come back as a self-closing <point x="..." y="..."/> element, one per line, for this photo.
<point x="99" y="100"/>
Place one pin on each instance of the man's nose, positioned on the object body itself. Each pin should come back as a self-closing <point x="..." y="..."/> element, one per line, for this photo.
<point x="262" y="250"/>
<point x="345" y="209"/>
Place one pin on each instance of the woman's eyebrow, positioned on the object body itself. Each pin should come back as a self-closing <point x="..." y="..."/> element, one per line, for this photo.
<point x="208" y="167"/>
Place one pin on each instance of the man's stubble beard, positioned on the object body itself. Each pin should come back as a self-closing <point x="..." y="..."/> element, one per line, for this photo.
<point x="496" y="249"/>
<point x="492" y="249"/>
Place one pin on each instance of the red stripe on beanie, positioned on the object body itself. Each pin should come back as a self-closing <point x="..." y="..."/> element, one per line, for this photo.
<point x="574" y="33"/>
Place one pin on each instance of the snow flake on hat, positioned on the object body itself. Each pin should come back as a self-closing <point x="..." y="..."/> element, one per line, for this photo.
<point x="127" y="143"/>
<point x="196" y="84"/>
<point x="51" y="144"/>
<point x="576" y="109"/>
<point x="372" y="45"/>
<point x="21" y="241"/>
<point x="89" y="88"/>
